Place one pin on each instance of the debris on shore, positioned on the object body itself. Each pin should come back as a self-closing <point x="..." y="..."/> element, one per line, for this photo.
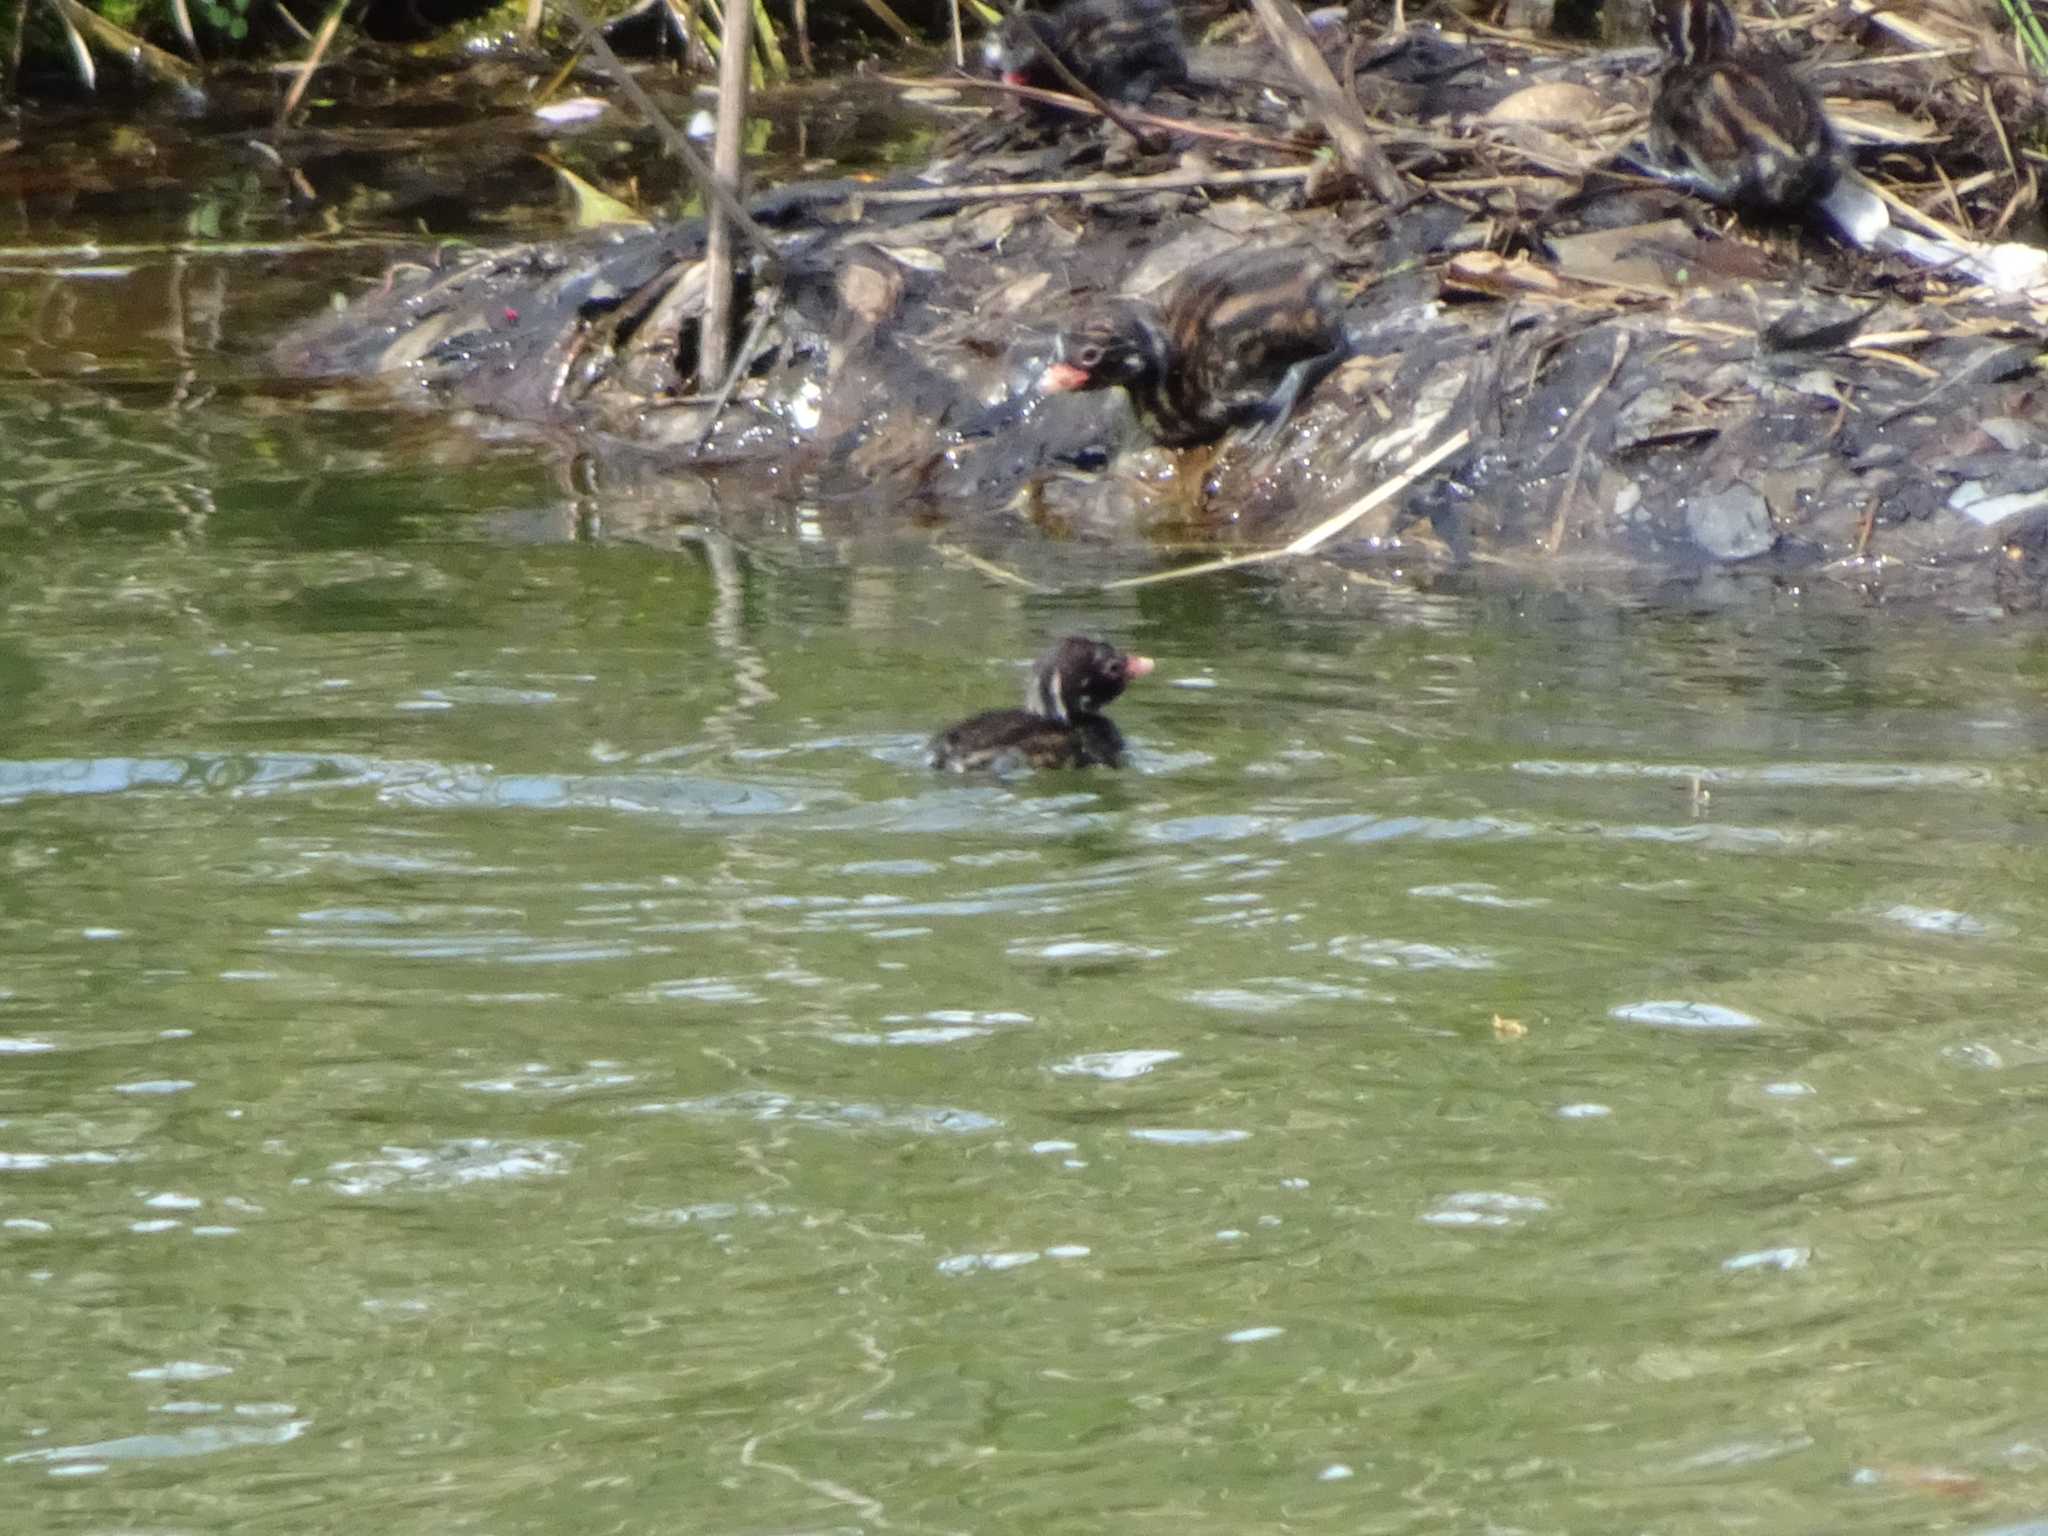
<point x="1600" y="365"/>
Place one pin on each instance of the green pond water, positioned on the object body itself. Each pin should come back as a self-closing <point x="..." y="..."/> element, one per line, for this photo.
<point x="499" y="1031"/>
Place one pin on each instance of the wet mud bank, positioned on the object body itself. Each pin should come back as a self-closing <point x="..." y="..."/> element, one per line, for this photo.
<point x="1601" y="372"/>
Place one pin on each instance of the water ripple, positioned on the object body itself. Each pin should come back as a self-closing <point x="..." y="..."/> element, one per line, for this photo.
<point x="1798" y="775"/>
<point x="1276" y="995"/>
<point x="1114" y="1066"/>
<point x="1395" y="954"/>
<point x="996" y="1263"/>
<point x="440" y="786"/>
<point x="1484" y="1208"/>
<point x="1684" y="1015"/>
<point x="762" y="1104"/>
<point x="1076" y="955"/>
<point x="201" y="1440"/>
<point x="475" y="1160"/>
<point x="1942" y="920"/>
<point x="1169" y="1136"/>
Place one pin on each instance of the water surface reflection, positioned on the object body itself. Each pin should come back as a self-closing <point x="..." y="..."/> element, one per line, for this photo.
<point x="507" y="1026"/>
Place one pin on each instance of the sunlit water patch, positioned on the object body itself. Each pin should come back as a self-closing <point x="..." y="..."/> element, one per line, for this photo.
<point x="1707" y="1017"/>
<point x="453" y="1165"/>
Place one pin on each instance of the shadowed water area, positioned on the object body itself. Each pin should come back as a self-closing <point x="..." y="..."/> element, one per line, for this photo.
<point x="499" y="1031"/>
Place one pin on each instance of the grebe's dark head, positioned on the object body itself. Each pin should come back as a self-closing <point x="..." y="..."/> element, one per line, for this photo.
<point x="1696" y="31"/>
<point x="1120" y="343"/>
<point x="1080" y="676"/>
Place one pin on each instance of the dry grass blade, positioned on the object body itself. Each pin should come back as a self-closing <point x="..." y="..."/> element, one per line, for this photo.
<point x="1092" y="186"/>
<point x="23" y="258"/>
<point x="81" y="55"/>
<point x="987" y="568"/>
<point x="1379" y="495"/>
<point x="1186" y="127"/>
<point x="888" y="18"/>
<point x="559" y="78"/>
<point x="284" y="14"/>
<point x="595" y="207"/>
<point x="773" y="60"/>
<point x="1324" y="531"/>
<point x="14" y="45"/>
<point x="181" y="22"/>
<point x="1337" y="112"/>
<point x="151" y="60"/>
<point x="303" y="75"/>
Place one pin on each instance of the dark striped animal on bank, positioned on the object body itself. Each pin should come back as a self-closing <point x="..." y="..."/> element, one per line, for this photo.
<point x="1237" y="341"/>
<point x="1736" y="126"/>
<point x="1122" y="49"/>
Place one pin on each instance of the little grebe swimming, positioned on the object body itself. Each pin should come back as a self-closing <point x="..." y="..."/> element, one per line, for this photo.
<point x="1061" y="725"/>
<point x="1239" y="339"/>
<point x="1122" y="49"/>
<point x="1738" y="128"/>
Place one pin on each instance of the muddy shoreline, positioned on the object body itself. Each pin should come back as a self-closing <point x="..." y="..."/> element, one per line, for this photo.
<point x="1646" y="383"/>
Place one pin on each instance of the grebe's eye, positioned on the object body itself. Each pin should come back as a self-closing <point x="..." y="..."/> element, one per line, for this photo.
<point x="1090" y="355"/>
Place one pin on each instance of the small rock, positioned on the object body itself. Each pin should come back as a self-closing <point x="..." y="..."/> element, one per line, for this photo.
<point x="1731" y="524"/>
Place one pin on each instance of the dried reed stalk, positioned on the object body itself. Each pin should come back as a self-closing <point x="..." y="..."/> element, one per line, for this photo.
<point x="714" y="334"/>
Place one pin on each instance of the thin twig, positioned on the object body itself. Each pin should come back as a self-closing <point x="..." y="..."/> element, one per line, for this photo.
<point x="303" y="76"/>
<point x="671" y="136"/>
<point x="1925" y="222"/>
<point x="1073" y="82"/>
<point x="284" y="14"/>
<point x="14" y="46"/>
<point x="181" y="22"/>
<point x="81" y="21"/>
<point x="1338" y="114"/>
<point x="987" y="568"/>
<point x="81" y="55"/>
<point x="27" y="259"/>
<point x="888" y="18"/>
<point x="774" y="66"/>
<point x="764" y="314"/>
<point x="714" y="331"/>
<point x="559" y="78"/>
<point x="1087" y="186"/>
<point x="695" y="53"/>
<point x="1569" y="488"/>
<point x="1180" y="125"/>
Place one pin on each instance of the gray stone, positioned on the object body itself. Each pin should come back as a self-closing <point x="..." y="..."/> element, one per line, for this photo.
<point x="1731" y="524"/>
